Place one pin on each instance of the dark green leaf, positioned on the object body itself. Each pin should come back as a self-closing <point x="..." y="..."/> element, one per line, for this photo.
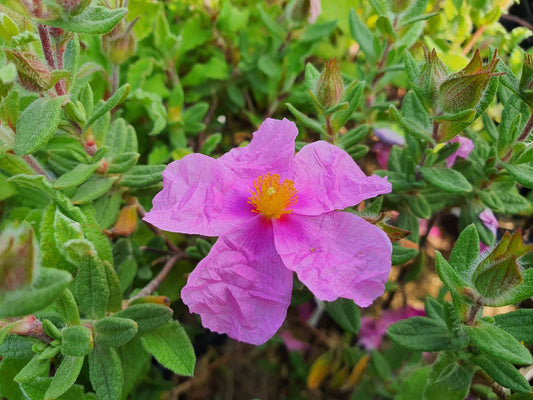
<point x="498" y="343"/>
<point x="447" y="179"/>
<point x="114" y="331"/>
<point x="92" y="189"/>
<point x="171" y="346"/>
<point x="148" y="316"/>
<point x="503" y="372"/>
<point x="120" y="95"/>
<point x="345" y="313"/>
<point x="518" y="323"/>
<point x="76" y="341"/>
<point x="465" y="252"/>
<point x="105" y="373"/>
<point x="423" y="334"/>
<point x="143" y="175"/>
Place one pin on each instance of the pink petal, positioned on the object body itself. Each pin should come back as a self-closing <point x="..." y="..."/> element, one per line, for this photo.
<point x="328" y="179"/>
<point x="242" y="287"/>
<point x="336" y="254"/>
<point x="199" y="196"/>
<point x="490" y="221"/>
<point x="270" y="150"/>
<point x="466" y="146"/>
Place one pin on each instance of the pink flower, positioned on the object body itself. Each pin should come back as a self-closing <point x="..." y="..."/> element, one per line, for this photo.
<point x="373" y="329"/>
<point x="490" y="221"/>
<point x="466" y="146"/>
<point x="315" y="9"/>
<point x="387" y="138"/>
<point x="275" y="214"/>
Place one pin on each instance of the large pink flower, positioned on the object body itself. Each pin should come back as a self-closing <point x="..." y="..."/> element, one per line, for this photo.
<point x="275" y="214"/>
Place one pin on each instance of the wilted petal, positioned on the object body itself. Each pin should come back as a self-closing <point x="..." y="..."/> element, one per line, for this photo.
<point x="328" y="179"/>
<point x="242" y="287"/>
<point x="199" y="196"/>
<point x="336" y="254"/>
<point x="270" y="150"/>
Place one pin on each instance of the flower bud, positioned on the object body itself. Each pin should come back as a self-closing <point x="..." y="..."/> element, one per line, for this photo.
<point x="33" y="74"/>
<point x="119" y="44"/>
<point x="526" y="80"/>
<point x="330" y="87"/>
<point x="18" y="257"/>
<point x="434" y="72"/>
<point x="463" y="90"/>
<point x="73" y="7"/>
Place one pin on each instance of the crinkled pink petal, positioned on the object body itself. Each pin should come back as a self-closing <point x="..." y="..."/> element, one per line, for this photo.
<point x="466" y="146"/>
<point x="328" y="179"/>
<point x="270" y="150"/>
<point x="336" y="254"/>
<point x="199" y="196"/>
<point x="242" y="287"/>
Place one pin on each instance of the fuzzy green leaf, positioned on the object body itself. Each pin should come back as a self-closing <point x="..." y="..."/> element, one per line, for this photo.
<point x="148" y="316"/>
<point x="105" y="373"/>
<point x="114" y="331"/>
<point x="345" y="313"/>
<point x="447" y="179"/>
<point x="65" y="376"/>
<point x="503" y="372"/>
<point x="37" y="124"/>
<point x="118" y="97"/>
<point x="171" y="346"/>
<point x="498" y="343"/>
<point x="93" y="20"/>
<point x="518" y="323"/>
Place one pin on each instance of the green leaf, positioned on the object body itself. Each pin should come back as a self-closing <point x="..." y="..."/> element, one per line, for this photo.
<point x="155" y="108"/>
<point x="115" y="293"/>
<point x="143" y="175"/>
<point x="498" y="343"/>
<point x="518" y="323"/>
<point x="362" y="35"/>
<point x="148" y="316"/>
<point x="352" y="95"/>
<point x="114" y="331"/>
<point x="305" y="120"/>
<point x="65" y="229"/>
<point x="120" y="95"/>
<point x="35" y="368"/>
<point x="65" y="376"/>
<point x="95" y="20"/>
<point x="453" y="281"/>
<point x="92" y="189"/>
<point x="71" y="60"/>
<point x="37" y="124"/>
<point x="171" y="346"/>
<point x="465" y="252"/>
<point x="67" y="307"/>
<point x="47" y="288"/>
<point x="75" y="177"/>
<point x="272" y="26"/>
<point x="105" y="373"/>
<point x="317" y="32"/>
<point x="401" y="255"/>
<point x="411" y="127"/>
<point x="91" y="289"/>
<point x="412" y="386"/>
<point x="76" y="341"/>
<point x="345" y="313"/>
<point x="122" y="163"/>
<point x="419" y="205"/>
<point x="503" y="372"/>
<point x="211" y="143"/>
<point x="449" y="180"/>
<point x="14" y="164"/>
<point x="423" y="334"/>
<point x="449" y="379"/>
<point x="523" y="173"/>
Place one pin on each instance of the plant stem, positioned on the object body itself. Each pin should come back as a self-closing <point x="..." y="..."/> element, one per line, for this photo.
<point x="154" y="283"/>
<point x="45" y="43"/>
<point x="34" y="164"/>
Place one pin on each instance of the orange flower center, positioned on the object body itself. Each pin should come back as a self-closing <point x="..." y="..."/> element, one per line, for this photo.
<point x="272" y="198"/>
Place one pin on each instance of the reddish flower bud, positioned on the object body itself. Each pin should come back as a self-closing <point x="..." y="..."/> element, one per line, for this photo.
<point x="73" y="7"/>
<point x="463" y="90"/>
<point x="330" y="87"/>
<point x="18" y="257"/>
<point x="120" y="44"/>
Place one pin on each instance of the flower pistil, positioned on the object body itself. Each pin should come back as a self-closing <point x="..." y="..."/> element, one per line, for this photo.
<point x="272" y="198"/>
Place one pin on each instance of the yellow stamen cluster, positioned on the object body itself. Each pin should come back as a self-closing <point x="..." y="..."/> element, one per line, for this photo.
<point x="272" y="198"/>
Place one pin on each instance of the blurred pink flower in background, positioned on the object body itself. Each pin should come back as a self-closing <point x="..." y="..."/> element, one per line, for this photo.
<point x="373" y="329"/>
<point x="387" y="138"/>
<point x="490" y="221"/>
<point x="314" y="10"/>
<point x="275" y="214"/>
<point x="466" y="146"/>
